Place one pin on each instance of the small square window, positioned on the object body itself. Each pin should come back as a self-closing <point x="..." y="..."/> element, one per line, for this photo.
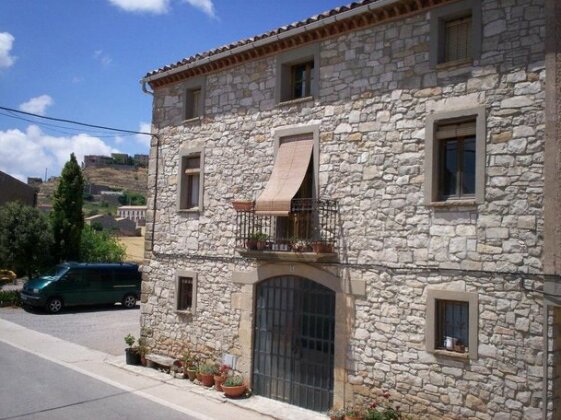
<point x="452" y="323"/>
<point x="184" y="293"/>
<point x="297" y="74"/>
<point x="452" y="326"/>
<point x="193" y="103"/>
<point x="457" y="42"/>
<point x="190" y="182"/>
<point x="455" y="33"/>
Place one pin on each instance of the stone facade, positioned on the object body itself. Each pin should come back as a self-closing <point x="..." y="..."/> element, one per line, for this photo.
<point x="376" y="90"/>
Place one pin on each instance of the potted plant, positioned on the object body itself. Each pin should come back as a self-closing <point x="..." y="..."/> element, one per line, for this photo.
<point x="221" y="376"/>
<point x="336" y="413"/>
<point x="132" y="356"/>
<point x="322" y="247"/>
<point x="206" y="374"/>
<point x="142" y="351"/>
<point x="261" y="239"/>
<point x="233" y="386"/>
<point x="243" y="205"/>
<point x="189" y="366"/>
<point x="354" y="414"/>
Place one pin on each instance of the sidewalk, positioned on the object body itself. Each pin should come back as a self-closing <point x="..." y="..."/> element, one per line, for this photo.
<point x="179" y="394"/>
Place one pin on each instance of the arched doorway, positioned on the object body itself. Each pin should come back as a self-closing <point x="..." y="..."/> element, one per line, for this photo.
<point x="293" y="351"/>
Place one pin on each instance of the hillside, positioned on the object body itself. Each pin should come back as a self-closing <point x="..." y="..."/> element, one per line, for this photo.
<point x="135" y="180"/>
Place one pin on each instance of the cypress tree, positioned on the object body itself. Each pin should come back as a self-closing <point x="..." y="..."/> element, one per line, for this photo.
<point x="67" y="215"/>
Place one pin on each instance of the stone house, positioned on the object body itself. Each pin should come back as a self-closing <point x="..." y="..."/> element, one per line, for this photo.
<point x="400" y="165"/>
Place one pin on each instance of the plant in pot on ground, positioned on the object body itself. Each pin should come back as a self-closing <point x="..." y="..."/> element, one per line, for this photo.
<point x="207" y="372"/>
<point x="336" y="413"/>
<point x="233" y="386"/>
<point x="221" y="376"/>
<point x="142" y="351"/>
<point x="190" y="365"/>
<point x="131" y="353"/>
<point x="383" y="410"/>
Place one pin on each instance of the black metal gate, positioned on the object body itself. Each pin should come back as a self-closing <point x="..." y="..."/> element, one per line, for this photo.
<point x="294" y="342"/>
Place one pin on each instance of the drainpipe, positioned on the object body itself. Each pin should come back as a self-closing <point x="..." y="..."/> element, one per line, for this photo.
<point x="545" y="358"/>
<point x="154" y="206"/>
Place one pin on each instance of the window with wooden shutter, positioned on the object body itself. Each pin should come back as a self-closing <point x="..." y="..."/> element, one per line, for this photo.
<point x="457" y="41"/>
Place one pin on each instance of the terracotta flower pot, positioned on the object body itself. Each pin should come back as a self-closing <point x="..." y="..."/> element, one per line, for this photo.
<point x="199" y="377"/>
<point x="354" y="417"/>
<point x="242" y="205"/>
<point x="251" y="244"/>
<point x="191" y="374"/>
<point x="207" y="379"/>
<point x="233" y="391"/>
<point x="218" y="381"/>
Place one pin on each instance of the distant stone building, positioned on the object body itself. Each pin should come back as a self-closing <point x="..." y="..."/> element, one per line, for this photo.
<point x="402" y="163"/>
<point x="111" y="197"/>
<point x="141" y="160"/>
<point x="134" y="213"/>
<point x="12" y="189"/>
<point x="122" y="226"/>
<point x="97" y="161"/>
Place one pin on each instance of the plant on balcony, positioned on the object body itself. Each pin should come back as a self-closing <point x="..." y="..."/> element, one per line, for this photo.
<point x="322" y="247"/>
<point x="261" y="240"/>
<point x="243" y="205"/>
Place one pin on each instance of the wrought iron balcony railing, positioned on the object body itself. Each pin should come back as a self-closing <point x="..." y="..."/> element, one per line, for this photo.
<point x="310" y="227"/>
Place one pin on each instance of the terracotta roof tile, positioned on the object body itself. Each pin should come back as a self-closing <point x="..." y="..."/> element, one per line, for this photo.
<point x="231" y="46"/>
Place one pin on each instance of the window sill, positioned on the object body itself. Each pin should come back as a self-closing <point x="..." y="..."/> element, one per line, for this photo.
<point x="454" y="64"/>
<point x="184" y="312"/>
<point x="295" y="101"/>
<point x="451" y="354"/>
<point x="193" y="120"/>
<point x="192" y="210"/>
<point x="453" y="203"/>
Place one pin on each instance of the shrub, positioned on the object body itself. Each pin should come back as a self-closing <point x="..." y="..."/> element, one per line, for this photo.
<point x="10" y="298"/>
<point x="235" y="380"/>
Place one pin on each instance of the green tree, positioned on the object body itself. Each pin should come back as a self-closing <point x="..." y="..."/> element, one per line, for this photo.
<point x="100" y="247"/>
<point x="67" y="216"/>
<point x="25" y="239"/>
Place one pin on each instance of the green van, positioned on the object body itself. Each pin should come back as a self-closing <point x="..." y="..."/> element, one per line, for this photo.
<point x="73" y="284"/>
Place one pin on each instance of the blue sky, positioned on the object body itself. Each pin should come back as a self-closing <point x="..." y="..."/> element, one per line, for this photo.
<point x="82" y="60"/>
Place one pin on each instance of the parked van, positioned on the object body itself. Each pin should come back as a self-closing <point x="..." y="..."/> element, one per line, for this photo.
<point x="73" y="284"/>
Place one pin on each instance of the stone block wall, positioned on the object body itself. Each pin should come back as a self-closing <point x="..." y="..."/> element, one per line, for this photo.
<point x="376" y="89"/>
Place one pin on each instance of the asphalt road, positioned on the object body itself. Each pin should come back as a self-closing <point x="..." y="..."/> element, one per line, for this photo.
<point x="34" y="388"/>
<point x="97" y="327"/>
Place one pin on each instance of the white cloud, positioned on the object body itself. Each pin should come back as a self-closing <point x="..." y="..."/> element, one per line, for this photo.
<point x="6" y="43"/>
<point x="143" y="139"/>
<point x="150" y="6"/>
<point x="206" y="6"/>
<point x="29" y="153"/>
<point x="37" y="105"/>
<point x="102" y="57"/>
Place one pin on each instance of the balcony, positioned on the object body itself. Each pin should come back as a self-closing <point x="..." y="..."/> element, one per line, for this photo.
<point x="307" y="234"/>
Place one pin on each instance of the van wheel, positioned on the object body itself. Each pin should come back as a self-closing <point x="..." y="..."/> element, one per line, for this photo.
<point x="129" y="301"/>
<point x="54" y="305"/>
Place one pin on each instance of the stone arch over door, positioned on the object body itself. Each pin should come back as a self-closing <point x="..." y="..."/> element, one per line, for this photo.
<point x="344" y="291"/>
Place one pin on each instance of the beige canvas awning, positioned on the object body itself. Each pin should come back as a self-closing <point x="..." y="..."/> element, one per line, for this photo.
<point x="291" y="164"/>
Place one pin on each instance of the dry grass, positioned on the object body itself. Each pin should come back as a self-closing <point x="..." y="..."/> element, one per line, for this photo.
<point x="134" y="247"/>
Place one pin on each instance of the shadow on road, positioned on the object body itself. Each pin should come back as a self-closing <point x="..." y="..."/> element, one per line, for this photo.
<point x="79" y="309"/>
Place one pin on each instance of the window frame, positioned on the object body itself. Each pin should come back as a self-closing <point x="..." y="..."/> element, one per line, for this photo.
<point x="433" y="160"/>
<point x="472" y="299"/>
<point x="286" y="64"/>
<point x="193" y="276"/>
<point x="189" y="87"/>
<point x="443" y="14"/>
<point x="182" y="180"/>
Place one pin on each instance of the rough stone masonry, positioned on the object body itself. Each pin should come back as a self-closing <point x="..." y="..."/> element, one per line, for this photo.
<point x="376" y="90"/>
